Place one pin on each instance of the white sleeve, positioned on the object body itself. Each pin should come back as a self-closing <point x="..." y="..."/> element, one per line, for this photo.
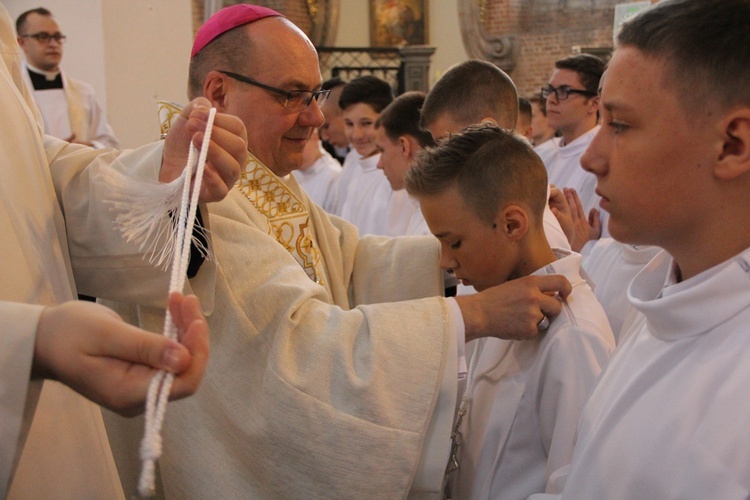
<point x="436" y="448"/>
<point x="104" y="264"/>
<point x="18" y="323"/>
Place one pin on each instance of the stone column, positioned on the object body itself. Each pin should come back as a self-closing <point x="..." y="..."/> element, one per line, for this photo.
<point x="415" y="67"/>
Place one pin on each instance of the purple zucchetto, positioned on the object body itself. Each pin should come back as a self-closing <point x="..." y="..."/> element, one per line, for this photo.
<point x="226" y="19"/>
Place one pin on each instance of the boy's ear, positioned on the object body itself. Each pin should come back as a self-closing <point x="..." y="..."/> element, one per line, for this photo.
<point x="513" y="220"/>
<point x="734" y="159"/>
<point x="405" y="146"/>
<point x="215" y="90"/>
<point x="410" y="146"/>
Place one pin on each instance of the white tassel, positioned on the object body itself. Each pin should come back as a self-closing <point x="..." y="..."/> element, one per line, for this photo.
<point x="142" y="209"/>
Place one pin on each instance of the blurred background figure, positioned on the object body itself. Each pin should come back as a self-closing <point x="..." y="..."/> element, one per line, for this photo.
<point x="318" y="174"/>
<point x="541" y="131"/>
<point x="332" y="132"/>
<point x="523" y="125"/>
<point x="68" y="106"/>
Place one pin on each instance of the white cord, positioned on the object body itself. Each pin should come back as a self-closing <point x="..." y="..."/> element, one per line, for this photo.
<point x="161" y="384"/>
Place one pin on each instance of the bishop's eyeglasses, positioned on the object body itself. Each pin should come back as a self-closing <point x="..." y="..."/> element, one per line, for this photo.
<point x="563" y="92"/>
<point x="44" y="37"/>
<point x="294" y="100"/>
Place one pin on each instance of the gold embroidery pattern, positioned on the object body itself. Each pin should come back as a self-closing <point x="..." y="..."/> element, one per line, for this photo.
<point x="288" y="218"/>
<point x="168" y="111"/>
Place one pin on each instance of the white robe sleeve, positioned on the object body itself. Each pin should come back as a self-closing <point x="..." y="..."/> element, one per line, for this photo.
<point x="18" y="323"/>
<point x="104" y="265"/>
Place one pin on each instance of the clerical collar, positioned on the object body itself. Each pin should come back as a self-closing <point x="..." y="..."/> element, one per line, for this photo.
<point x="44" y="80"/>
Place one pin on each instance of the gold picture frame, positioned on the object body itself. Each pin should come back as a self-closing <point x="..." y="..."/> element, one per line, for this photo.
<point x="395" y="23"/>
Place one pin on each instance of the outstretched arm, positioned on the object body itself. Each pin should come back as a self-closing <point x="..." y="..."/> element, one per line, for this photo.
<point x="514" y="309"/>
<point x="89" y="348"/>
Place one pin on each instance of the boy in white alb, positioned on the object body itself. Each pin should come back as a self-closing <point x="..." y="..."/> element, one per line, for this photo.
<point x="363" y="192"/>
<point x="483" y="193"/>
<point x="399" y="140"/>
<point x="474" y="92"/>
<point x="572" y="109"/>
<point x="669" y="417"/>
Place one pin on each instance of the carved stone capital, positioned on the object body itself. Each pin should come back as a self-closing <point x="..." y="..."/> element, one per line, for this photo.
<point x="501" y="50"/>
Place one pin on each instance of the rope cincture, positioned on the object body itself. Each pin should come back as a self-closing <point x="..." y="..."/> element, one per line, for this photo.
<point x="161" y="384"/>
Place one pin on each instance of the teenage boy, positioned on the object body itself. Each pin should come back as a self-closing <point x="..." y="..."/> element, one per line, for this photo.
<point x="483" y="193"/>
<point x="572" y="109"/>
<point x="399" y="140"/>
<point x="669" y="417"/>
<point x="363" y="193"/>
<point x="472" y="92"/>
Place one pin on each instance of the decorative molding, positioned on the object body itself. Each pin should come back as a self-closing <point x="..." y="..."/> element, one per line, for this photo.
<point x="323" y="16"/>
<point x="500" y="50"/>
<point x="324" y="21"/>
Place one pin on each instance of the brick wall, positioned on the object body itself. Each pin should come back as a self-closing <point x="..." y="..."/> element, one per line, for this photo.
<point x="546" y="30"/>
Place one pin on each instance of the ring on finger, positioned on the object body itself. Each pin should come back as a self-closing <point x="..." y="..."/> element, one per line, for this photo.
<point x="543" y="324"/>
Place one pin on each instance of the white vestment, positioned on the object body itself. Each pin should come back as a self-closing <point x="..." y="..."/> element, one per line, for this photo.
<point x="66" y="453"/>
<point x="73" y="110"/>
<point x="364" y="194"/>
<point x="320" y="180"/>
<point x="612" y="266"/>
<point x="310" y="392"/>
<point x="669" y="416"/>
<point x="564" y="170"/>
<point x="403" y="215"/>
<point x="524" y="398"/>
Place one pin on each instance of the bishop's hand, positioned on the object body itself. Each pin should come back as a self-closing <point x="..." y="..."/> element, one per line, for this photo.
<point x="227" y="152"/>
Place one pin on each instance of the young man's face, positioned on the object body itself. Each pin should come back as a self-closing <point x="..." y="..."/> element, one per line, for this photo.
<point x="569" y="114"/>
<point x="359" y="120"/>
<point x="477" y="252"/>
<point x="43" y="55"/>
<point x="652" y="163"/>
<point x="393" y="161"/>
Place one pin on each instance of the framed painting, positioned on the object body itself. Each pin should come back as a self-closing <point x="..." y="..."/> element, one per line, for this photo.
<point x="394" y="23"/>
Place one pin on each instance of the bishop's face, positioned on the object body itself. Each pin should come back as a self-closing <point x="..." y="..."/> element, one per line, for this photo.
<point x="284" y="58"/>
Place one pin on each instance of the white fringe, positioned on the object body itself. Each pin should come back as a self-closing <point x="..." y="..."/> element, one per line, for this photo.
<point x="146" y="214"/>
